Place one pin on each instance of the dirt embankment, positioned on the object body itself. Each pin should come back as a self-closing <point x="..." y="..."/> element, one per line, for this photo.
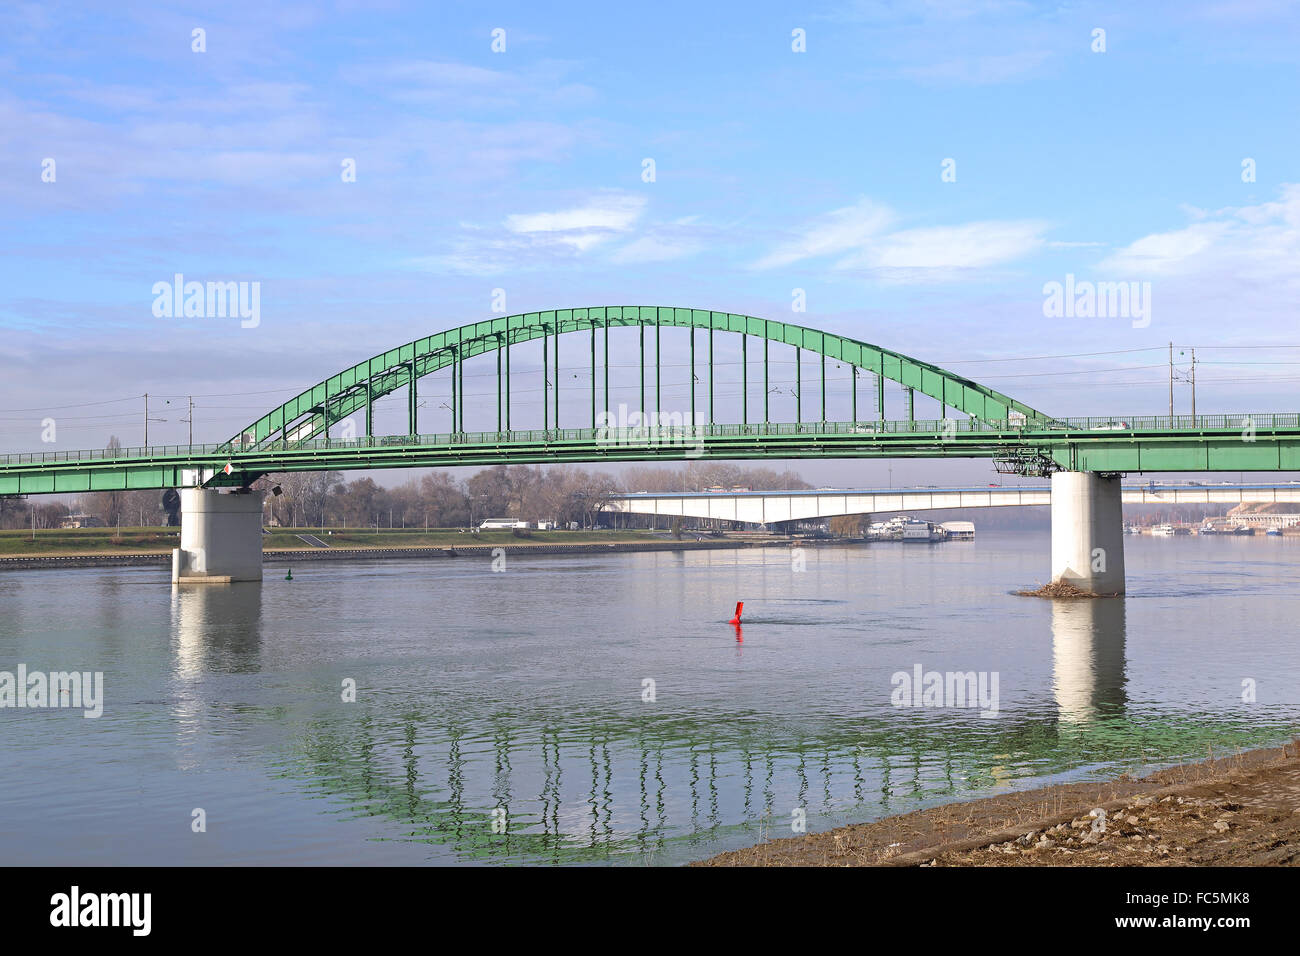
<point x="1242" y="810"/>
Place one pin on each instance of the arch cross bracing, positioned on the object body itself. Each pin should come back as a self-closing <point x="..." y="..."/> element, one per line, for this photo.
<point x="311" y="413"/>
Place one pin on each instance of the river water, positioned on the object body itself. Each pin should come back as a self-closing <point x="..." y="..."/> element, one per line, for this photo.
<point x="519" y="701"/>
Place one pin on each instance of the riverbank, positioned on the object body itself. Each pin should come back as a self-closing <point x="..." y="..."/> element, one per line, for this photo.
<point x="480" y="546"/>
<point x="1239" y="810"/>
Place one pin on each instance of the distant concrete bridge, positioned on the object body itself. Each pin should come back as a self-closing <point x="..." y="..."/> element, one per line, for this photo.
<point x="766" y="507"/>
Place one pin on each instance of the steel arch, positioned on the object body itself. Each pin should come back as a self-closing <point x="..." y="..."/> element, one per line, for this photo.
<point x="310" y="413"/>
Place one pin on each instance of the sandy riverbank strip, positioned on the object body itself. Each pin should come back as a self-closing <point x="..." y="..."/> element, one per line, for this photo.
<point x="1239" y="810"/>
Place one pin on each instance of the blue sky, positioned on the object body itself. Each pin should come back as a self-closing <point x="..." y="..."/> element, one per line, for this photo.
<point x="522" y="170"/>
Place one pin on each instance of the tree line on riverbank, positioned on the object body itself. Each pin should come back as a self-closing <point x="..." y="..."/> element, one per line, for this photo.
<point x="435" y="499"/>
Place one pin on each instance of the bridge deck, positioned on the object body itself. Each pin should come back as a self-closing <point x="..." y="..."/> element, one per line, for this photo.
<point x="1268" y="442"/>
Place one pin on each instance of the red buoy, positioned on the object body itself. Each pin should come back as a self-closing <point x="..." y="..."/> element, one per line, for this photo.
<point x="739" y="607"/>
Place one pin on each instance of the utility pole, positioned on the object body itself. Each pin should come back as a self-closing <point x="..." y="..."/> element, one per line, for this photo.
<point x="190" y="419"/>
<point x="1193" y="388"/>
<point x="1171" y="381"/>
<point x="146" y="419"/>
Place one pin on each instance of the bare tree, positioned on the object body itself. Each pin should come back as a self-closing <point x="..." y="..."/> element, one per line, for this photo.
<point x="849" y="526"/>
<point x="111" y="506"/>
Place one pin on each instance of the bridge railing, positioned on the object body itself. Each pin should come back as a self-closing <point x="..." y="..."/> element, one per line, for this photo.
<point x="113" y="454"/>
<point x="208" y="454"/>
<point x="1179" y="423"/>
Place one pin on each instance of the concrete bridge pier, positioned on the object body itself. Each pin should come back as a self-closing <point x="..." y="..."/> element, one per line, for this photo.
<point x="1088" y="531"/>
<point x="221" y="537"/>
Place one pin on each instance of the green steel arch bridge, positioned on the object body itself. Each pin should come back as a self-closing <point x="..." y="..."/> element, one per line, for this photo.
<point x="221" y="532"/>
<point x="985" y="423"/>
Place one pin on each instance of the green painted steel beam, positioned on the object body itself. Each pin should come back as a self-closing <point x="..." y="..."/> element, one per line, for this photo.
<point x="798" y="385"/>
<point x="767" y="417"/>
<point x="712" y="419"/>
<point x="412" y="403"/>
<point x="659" y="395"/>
<point x="1213" y="443"/>
<point x="692" y="375"/>
<point x="744" y="378"/>
<point x="823" y="415"/>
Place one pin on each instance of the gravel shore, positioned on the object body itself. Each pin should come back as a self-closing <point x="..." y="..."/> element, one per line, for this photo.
<point x="1239" y="810"/>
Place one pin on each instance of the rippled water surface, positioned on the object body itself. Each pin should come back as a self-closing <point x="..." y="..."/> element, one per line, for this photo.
<point x="525" y="691"/>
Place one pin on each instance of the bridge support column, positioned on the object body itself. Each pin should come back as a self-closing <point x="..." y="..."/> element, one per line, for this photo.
<point x="221" y="537"/>
<point x="1088" y="531"/>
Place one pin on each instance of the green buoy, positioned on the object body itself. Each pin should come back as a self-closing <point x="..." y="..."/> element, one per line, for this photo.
<point x="289" y="576"/>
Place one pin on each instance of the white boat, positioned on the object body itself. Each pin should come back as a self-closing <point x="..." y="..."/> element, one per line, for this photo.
<point x="1163" y="531"/>
<point x="922" y="532"/>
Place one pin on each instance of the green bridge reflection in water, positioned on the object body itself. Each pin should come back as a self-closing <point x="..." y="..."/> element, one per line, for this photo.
<point x="431" y="760"/>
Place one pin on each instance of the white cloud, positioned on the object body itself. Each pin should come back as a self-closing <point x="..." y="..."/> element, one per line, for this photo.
<point x="537" y="239"/>
<point x="583" y="227"/>
<point x="1259" y="243"/>
<point x="858" y="235"/>
<point x="612" y="211"/>
<point x="610" y="220"/>
<point x="1164" y="252"/>
<point x="974" y="245"/>
<point x="655" y="248"/>
<point x="836" y="232"/>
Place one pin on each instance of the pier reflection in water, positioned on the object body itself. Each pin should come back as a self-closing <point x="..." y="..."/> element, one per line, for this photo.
<point x="485" y="697"/>
<point x="216" y="628"/>
<point x="1088" y="658"/>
